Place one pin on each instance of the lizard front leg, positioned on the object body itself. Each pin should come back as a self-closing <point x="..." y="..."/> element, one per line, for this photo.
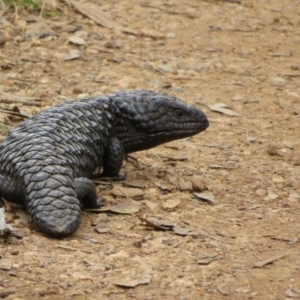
<point x="112" y="159"/>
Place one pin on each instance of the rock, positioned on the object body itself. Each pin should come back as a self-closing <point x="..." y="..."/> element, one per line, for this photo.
<point x="185" y="185"/>
<point x="195" y="66"/>
<point x="277" y="80"/>
<point x="171" y="35"/>
<point x="39" y="29"/>
<point x="272" y="149"/>
<point x="168" y="68"/>
<point x="237" y="98"/>
<point x="5" y="265"/>
<point x="2" y="40"/>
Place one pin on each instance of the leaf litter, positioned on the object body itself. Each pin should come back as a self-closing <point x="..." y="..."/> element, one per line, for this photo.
<point x="235" y="67"/>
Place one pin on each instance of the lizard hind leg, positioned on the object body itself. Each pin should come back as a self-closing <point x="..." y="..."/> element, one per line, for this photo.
<point x="86" y="193"/>
<point x="11" y="189"/>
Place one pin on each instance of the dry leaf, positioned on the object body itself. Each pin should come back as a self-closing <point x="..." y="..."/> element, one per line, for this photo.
<point x="209" y="197"/>
<point x="125" y="192"/>
<point x="222" y="108"/>
<point x="77" y="40"/>
<point x="270" y="260"/>
<point x="199" y="185"/>
<point x="185" y="185"/>
<point x="5" y="265"/>
<point x="39" y="29"/>
<point x="150" y="204"/>
<point x="5" y="228"/>
<point x="126" y="207"/>
<point x="102" y="227"/>
<point x="73" y="54"/>
<point x="134" y="184"/>
<point x="183" y="231"/>
<point x="271" y="195"/>
<point x="24" y="216"/>
<point x="291" y="293"/>
<point x="171" y="203"/>
<point x="157" y="223"/>
<point x="133" y="283"/>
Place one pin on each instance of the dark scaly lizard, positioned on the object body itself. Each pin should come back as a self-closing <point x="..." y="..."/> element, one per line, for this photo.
<point x="46" y="161"/>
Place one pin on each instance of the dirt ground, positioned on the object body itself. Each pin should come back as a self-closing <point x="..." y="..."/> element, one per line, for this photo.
<point x="243" y="243"/>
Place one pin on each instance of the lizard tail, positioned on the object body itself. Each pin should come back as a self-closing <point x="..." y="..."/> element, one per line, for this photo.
<point x="11" y="189"/>
<point x="51" y="200"/>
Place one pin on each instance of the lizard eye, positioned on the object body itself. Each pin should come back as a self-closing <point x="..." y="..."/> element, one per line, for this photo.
<point x="179" y="113"/>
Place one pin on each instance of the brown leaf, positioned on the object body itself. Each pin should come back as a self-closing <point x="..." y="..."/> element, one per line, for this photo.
<point x="150" y="204"/>
<point x="5" y="228"/>
<point x="102" y="228"/>
<point x="133" y="283"/>
<point x="125" y="192"/>
<point x="39" y="29"/>
<point x="185" y="185"/>
<point x="223" y="109"/>
<point x="157" y="223"/>
<point x="126" y="207"/>
<point x="5" y="265"/>
<point x="198" y="184"/>
<point x="77" y="40"/>
<point x="171" y="204"/>
<point x="182" y="231"/>
<point x="73" y="54"/>
<point x="209" y="197"/>
<point x="270" y="260"/>
<point x="292" y="293"/>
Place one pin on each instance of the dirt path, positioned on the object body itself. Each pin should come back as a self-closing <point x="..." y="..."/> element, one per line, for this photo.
<point x="246" y="246"/>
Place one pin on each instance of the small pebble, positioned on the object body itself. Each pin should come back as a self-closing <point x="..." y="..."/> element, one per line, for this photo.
<point x="272" y="149"/>
<point x="277" y="80"/>
<point x="237" y="98"/>
<point x="171" y="35"/>
<point x="14" y="252"/>
<point x="77" y="90"/>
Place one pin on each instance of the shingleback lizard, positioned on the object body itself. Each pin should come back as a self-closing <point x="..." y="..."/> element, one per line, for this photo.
<point x="46" y="161"/>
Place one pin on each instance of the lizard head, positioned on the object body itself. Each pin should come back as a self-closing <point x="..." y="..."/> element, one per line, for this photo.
<point x="148" y="119"/>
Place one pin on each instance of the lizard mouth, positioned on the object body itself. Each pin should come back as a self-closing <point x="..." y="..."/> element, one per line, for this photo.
<point x="184" y="129"/>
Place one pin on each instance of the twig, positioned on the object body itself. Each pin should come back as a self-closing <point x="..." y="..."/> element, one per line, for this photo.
<point x="3" y="7"/>
<point x="13" y="113"/>
<point x="97" y="15"/>
<point x="42" y="8"/>
<point x="10" y="98"/>
<point x="74" y="249"/>
<point x="173" y="12"/>
<point x="211" y="237"/>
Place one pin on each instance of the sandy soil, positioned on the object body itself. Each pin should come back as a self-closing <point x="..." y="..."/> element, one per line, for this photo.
<point x="242" y="245"/>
